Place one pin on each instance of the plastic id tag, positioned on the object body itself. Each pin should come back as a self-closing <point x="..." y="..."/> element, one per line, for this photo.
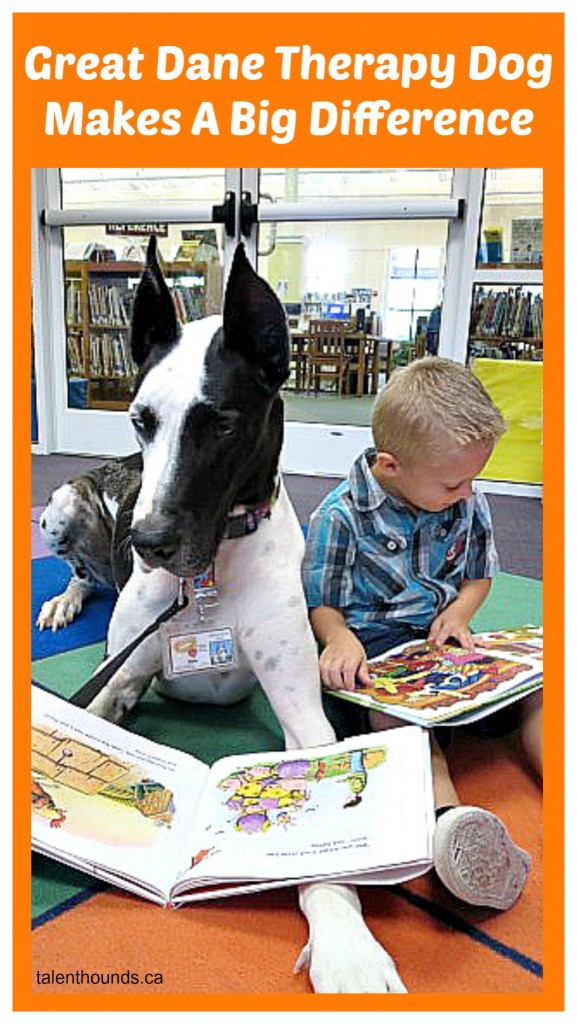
<point x="201" y="650"/>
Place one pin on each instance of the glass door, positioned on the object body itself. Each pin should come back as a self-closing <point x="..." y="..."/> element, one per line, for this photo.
<point x="89" y="254"/>
<point x="360" y="253"/>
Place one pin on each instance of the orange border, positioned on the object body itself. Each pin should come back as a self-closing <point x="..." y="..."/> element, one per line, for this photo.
<point x="328" y="33"/>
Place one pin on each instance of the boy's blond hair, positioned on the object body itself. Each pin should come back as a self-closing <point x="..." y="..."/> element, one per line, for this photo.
<point x="430" y="405"/>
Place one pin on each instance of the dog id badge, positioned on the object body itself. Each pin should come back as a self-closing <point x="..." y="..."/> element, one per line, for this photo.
<point x="195" y="641"/>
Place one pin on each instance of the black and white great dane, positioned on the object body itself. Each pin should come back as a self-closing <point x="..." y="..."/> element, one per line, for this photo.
<point x="209" y="421"/>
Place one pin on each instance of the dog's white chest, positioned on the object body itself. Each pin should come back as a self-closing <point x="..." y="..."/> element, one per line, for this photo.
<point x="203" y="659"/>
<point x="201" y="654"/>
<point x="258" y="581"/>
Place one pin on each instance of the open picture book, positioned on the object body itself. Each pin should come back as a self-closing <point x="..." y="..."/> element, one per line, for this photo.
<point x="162" y="824"/>
<point x="448" y="685"/>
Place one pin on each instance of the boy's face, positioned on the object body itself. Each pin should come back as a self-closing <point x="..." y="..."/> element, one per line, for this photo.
<point x="437" y="483"/>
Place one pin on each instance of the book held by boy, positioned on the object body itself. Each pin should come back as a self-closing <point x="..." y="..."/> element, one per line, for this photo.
<point x="162" y="824"/>
<point x="430" y="686"/>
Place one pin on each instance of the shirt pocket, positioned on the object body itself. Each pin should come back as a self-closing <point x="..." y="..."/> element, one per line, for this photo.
<point x="450" y="546"/>
<point x="382" y="564"/>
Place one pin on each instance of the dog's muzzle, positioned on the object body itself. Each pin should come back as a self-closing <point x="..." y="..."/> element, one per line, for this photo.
<point x="162" y="542"/>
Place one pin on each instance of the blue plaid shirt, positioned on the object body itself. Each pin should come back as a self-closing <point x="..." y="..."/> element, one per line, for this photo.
<point x="376" y="558"/>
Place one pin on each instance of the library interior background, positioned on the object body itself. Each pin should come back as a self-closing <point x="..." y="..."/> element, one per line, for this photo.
<point x="376" y="267"/>
<point x="384" y="266"/>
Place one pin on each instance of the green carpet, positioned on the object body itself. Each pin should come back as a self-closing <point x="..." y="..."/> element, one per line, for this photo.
<point x="211" y="732"/>
<point x="64" y="673"/>
<point x="513" y="601"/>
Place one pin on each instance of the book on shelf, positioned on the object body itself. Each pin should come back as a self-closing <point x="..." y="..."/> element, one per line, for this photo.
<point x="109" y="305"/>
<point x="130" y="367"/>
<point x="110" y="354"/>
<point x="74" y="350"/>
<point x="106" y="354"/>
<point x="160" y="823"/>
<point x="430" y="686"/>
<point x="189" y="302"/>
<point x="512" y="313"/>
<point x="118" y="360"/>
<point x="96" y="365"/>
<point x="73" y="301"/>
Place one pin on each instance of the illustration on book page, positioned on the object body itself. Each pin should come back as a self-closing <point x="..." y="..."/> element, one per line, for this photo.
<point x="94" y="794"/>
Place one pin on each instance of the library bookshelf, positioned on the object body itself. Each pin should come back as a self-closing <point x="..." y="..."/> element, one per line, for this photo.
<point x="99" y="299"/>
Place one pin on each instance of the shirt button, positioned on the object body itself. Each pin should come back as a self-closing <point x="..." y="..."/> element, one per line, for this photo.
<point x="391" y="546"/>
<point x="442" y="532"/>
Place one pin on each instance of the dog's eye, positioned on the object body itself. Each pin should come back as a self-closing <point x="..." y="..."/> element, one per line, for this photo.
<point x="145" y="423"/>
<point x="226" y="424"/>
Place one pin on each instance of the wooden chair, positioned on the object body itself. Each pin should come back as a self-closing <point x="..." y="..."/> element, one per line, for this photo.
<point x="362" y="377"/>
<point x="328" y="359"/>
<point x="298" y="362"/>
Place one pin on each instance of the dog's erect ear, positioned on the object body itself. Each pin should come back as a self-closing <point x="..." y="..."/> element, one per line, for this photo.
<point x="154" y="321"/>
<point x="255" y="323"/>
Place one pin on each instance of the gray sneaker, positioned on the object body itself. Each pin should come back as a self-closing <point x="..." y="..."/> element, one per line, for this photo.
<point x="476" y="859"/>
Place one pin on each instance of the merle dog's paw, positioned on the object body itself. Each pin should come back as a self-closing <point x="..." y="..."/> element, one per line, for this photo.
<point x="59" y="611"/>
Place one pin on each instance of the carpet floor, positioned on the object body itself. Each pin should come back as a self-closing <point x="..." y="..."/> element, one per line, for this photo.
<point x="250" y="944"/>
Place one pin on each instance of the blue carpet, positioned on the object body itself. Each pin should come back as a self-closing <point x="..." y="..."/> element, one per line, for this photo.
<point x="50" y="576"/>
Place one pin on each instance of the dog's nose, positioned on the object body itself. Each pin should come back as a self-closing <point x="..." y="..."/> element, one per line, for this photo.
<point x="155" y="540"/>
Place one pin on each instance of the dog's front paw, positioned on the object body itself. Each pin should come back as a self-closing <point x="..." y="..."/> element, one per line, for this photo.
<point x="118" y="696"/>
<point x="342" y="955"/>
<point x="59" y="611"/>
<point x="111" y="705"/>
<point x="345" y="965"/>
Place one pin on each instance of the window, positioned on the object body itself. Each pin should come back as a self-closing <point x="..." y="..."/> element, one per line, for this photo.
<point x="381" y="278"/>
<point x="413" y="290"/>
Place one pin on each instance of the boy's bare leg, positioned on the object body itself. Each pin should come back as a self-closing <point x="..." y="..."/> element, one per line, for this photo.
<point x="531" y="730"/>
<point x="444" y="792"/>
<point x="473" y="853"/>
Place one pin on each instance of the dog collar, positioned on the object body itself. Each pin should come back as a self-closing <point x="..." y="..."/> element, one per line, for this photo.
<point x="244" y="523"/>
<point x="203" y="589"/>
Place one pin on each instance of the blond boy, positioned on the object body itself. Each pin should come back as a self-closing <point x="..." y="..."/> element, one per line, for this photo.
<point x="404" y="549"/>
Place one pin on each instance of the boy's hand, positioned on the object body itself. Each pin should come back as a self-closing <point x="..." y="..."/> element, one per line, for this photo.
<point x="455" y="618"/>
<point x="451" y="624"/>
<point x="342" y="659"/>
